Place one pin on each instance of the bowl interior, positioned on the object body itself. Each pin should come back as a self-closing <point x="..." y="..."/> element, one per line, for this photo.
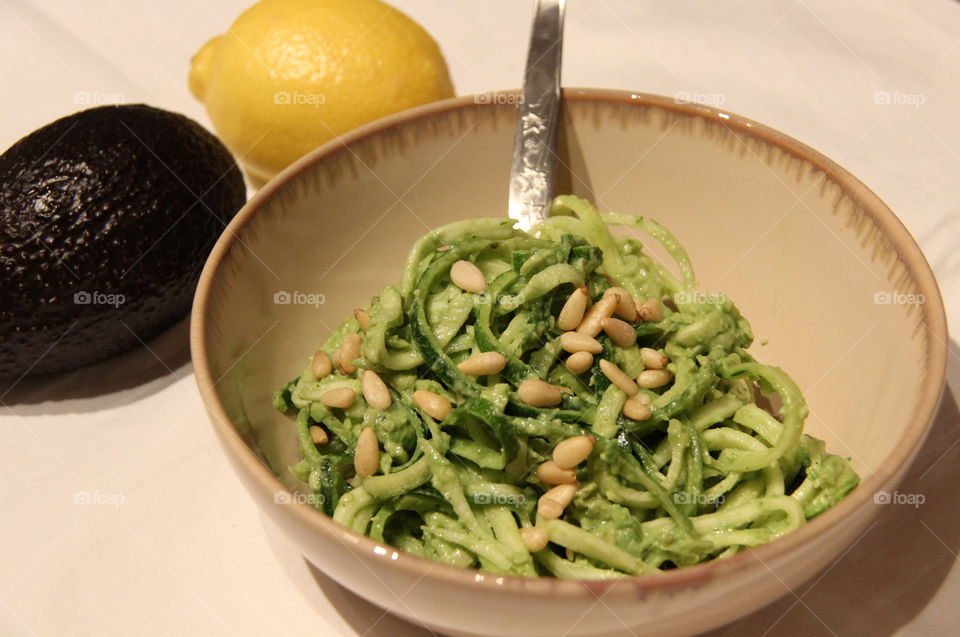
<point x="823" y="280"/>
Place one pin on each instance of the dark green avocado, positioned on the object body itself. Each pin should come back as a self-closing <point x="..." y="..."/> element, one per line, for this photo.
<point x="106" y="219"/>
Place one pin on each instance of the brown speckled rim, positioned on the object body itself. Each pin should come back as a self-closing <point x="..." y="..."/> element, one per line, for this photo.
<point x="918" y="271"/>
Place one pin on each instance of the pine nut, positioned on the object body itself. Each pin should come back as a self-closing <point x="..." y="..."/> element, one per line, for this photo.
<point x="602" y="309"/>
<point x="549" y="509"/>
<point x="551" y="504"/>
<point x="650" y="310"/>
<point x="535" y="538"/>
<point x="652" y="359"/>
<point x="320" y="366"/>
<point x="538" y="393"/>
<point x="348" y="351"/>
<point x="436" y="406"/>
<point x="617" y="376"/>
<point x="318" y="435"/>
<point x="375" y="391"/>
<point x="653" y="378"/>
<point x="574" y="342"/>
<point x="572" y="312"/>
<point x="626" y="307"/>
<point x="341" y="397"/>
<point x="566" y="390"/>
<point x="366" y="457"/>
<point x="635" y="409"/>
<point x="572" y="451"/>
<point x="468" y="277"/>
<point x="620" y="332"/>
<point x="642" y="397"/>
<point x="550" y="472"/>
<point x="579" y="362"/>
<point x="362" y="318"/>
<point x="483" y="364"/>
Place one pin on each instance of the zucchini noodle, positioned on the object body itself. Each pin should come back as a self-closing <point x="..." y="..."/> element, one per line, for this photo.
<point x="711" y="471"/>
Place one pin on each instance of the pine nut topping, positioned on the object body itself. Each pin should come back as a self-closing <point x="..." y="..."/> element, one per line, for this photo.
<point x="550" y="472"/>
<point x="551" y="504"/>
<point x="549" y="509"/>
<point x="574" y="342"/>
<point x="653" y="378"/>
<point x="318" y="435"/>
<point x="620" y="332"/>
<point x="635" y="409"/>
<point x="362" y="318"/>
<point x="579" y="362"/>
<point x="375" y="391"/>
<point x="341" y="397"/>
<point x="436" y="406"/>
<point x="626" y="307"/>
<point x="602" y="309"/>
<point x="650" y="310"/>
<point x="652" y="359"/>
<point x="483" y="364"/>
<point x="572" y="451"/>
<point x="572" y="312"/>
<point x="538" y="393"/>
<point x="468" y="277"/>
<point x="617" y="376"/>
<point x="535" y="538"/>
<point x="348" y="352"/>
<point x="366" y="458"/>
<point x="320" y="366"/>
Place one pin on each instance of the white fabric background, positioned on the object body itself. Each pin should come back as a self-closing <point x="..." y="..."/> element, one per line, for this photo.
<point x="186" y="553"/>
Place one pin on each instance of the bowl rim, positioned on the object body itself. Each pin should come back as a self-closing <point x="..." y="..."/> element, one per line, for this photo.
<point x="916" y="266"/>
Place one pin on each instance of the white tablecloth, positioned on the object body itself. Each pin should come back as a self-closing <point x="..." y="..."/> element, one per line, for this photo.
<point x="118" y="512"/>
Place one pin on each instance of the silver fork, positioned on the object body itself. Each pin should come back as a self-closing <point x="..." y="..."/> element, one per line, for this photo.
<point x="535" y="142"/>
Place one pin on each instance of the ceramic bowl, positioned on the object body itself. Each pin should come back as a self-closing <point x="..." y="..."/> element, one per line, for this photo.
<point x="832" y="282"/>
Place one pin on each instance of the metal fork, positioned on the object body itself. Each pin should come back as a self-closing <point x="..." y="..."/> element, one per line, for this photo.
<point x="535" y="143"/>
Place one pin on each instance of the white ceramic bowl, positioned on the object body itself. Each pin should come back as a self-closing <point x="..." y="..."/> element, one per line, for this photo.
<point x="821" y="267"/>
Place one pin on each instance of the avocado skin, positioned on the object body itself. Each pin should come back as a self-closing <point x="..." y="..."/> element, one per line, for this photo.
<point x="116" y="200"/>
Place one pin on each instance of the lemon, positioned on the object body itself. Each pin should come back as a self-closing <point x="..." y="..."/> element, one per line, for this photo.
<point x="290" y="75"/>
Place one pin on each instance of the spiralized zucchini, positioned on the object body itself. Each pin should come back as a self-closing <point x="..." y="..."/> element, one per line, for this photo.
<point x="709" y="473"/>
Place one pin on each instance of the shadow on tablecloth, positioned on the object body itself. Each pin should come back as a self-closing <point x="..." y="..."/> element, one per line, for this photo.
<point x="117" y="381"/>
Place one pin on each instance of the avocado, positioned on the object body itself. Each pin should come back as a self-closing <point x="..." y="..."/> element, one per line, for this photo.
<point x="106" y="219"/>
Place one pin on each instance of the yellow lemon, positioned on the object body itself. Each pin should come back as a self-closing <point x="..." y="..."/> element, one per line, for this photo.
<point x="290" y="75"/>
